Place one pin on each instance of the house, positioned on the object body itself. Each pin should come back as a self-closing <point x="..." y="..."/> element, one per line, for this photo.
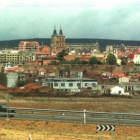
<point x="84" y="52"/>
<point x="135" y="78"/>
<point x="62" y="73"/>
<point x="118" y="74"/>
<point x="70" y="57"/>
<point x="76" y="74"/>
<point x="99" y="56"/>
<point x="45" y="90"/>
<point x="12" y="78"/>
<point x="68" y="84"/>
<point x="131" y="86"/>
<point x="105" y="88"/>
<point x="21" y="77"/>
<point x="124" y="79"/>
<point x="136" y="59"/>
<point x="130" y="58"/>
<point x="117" y="90"/>
<point x="119" y="61"/>
<point x="28" y="88"/>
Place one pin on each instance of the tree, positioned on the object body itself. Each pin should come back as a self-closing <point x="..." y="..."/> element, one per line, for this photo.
<point x="77" y="61"/>
<point x="111" y="59"/>
<point x="3" y="79"/>
<point x="123" y="62"/>
<point x="93" y="60"/>
<point x="60" y="55"/>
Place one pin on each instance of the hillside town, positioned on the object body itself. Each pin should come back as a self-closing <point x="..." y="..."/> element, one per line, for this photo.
<point x="70" y="68"/>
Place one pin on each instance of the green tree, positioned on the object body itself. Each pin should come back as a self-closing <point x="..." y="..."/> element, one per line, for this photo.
<point x="3" y="79"/>
<point x="77" y="61"/>
<point x="123" y="62"/>
<point x="93" y="60"/>
<point x="111" y="59"/>
<point x="60" y="55"/>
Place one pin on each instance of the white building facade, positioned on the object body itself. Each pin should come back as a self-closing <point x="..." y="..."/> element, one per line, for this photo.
<point x="117" y="90"/>
<point x="68" y="84"/>
<point x="124" y="79"/>
<point x="136" y="59"/>
<point x="12" y="78"/>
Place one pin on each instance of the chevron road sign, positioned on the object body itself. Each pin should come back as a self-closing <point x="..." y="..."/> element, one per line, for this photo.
<point x="105" y="128"/>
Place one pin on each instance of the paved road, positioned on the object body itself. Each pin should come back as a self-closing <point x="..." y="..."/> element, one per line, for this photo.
<point x="86" y="117"/>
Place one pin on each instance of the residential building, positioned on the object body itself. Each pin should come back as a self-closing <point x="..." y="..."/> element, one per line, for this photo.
<point x="21" y="78"/>
<point x="9" y="57"/>
<point x="26" y="56"/>
<point x="15" y="57"/>
<point x="131" y="86"/>
<point x="68" y="84"/>
<point x="135" y="78"/>
<point x="124" y="79"/>
<point x="28" y="45"/>
<point x="67" y="73"/>
<point x="116" y="90"/>
<point x="12" y="79"/>
<point x="136" y="59"/>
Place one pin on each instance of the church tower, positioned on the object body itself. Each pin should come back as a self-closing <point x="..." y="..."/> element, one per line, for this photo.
<point x="53" y="44"/>
<point x="60" y="40"/>
<point x="57" y="41"/>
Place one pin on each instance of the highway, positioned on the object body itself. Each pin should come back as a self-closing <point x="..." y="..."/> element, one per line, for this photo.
<point x="69" y="116"/>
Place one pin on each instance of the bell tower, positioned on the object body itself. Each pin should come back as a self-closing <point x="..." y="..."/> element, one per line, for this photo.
<point x="60" y="40"/>
<point x="53" y="44"/>
<point x="57" y="41"/>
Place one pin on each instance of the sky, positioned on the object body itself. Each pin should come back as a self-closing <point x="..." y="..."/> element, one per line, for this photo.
<point x="102" y="19"/>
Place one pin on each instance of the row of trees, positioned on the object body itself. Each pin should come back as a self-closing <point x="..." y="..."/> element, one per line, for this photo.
<point x="111" y="59"/>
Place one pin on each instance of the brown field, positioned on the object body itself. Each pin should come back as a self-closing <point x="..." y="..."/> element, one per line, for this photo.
<point x="44" y="130"/>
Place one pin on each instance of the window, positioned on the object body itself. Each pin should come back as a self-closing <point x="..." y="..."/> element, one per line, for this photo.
<point x="62" y="84"/>
<point x="70" y="84"/>
<point x="86" y="84"/>
<point x="56" y="84"/>
<point x="78" y="84"/>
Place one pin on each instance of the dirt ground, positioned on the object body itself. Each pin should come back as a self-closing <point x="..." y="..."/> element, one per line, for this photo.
<point x="20" y="130"/>
<point x="45" y="130"/>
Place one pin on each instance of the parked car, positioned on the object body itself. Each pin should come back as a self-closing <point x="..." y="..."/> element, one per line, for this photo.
<point x="4" y="108"/>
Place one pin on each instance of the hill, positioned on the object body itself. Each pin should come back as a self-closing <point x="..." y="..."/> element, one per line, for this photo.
<point x="46" y="41"/>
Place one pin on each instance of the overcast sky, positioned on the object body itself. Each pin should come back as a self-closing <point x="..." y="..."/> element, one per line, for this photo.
<point x="103" y="19"/>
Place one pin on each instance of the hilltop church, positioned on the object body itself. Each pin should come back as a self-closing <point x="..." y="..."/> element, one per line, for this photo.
<point x="58" y="43"/>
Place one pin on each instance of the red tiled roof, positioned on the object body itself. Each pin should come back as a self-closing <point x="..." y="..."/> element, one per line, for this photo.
<point x="131" y="56"/>
<point x="32" y="86"/>
<point x="2" y="87"/>
<point x="135" y="51"/>
<point x="135" y="76"/>
<point x="70" y="57"/>
<point x="121" y="54"/>
<point x="45" y="49"/>
<point x="118" y="75"/>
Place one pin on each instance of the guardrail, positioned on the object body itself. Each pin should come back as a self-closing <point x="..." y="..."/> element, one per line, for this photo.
<point x="75" y="116"/>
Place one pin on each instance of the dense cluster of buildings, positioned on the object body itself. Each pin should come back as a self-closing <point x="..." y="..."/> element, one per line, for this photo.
<point x="29" y="64"/>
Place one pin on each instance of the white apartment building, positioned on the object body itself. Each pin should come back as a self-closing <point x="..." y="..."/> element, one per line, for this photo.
<point x="136" y="59"/>
<point x="69" y="84"/>
<point x="12" y="78"/>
